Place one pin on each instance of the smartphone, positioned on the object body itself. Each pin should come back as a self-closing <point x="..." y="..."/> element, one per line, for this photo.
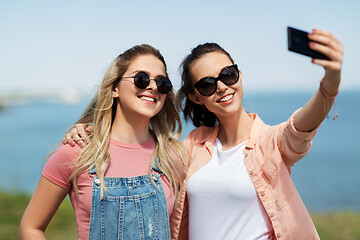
<point x="298" y="42"/>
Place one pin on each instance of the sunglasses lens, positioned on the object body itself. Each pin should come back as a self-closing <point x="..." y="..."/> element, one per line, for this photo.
<point x="163" y="85"/>
<point x="229" y="75"/>
<point x="141" y="80"/>
<point x="206" y="86"/>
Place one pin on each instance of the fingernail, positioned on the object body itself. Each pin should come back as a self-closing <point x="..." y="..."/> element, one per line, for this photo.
<point x="314" y="30"/>
<point x="81" y="144"/>
<point x="313" y="60"/>
<point x="312" y="44"/>
<point x="72" y="143"/>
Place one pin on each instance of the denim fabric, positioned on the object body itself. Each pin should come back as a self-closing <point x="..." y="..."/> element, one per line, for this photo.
<point x="132" y="209"/>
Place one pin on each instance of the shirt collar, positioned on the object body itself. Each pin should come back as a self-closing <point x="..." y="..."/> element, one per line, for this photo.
<point x="209" y="135"/>
<point x="255" y="130"/>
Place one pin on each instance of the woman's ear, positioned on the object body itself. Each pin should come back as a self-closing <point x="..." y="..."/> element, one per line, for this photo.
<point x="194" y="98"/>
<point x="115" y="93"/>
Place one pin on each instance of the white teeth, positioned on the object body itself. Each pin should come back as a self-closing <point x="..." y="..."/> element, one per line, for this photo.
<point x="149" y="99"/>
<point x="227" y="98"/>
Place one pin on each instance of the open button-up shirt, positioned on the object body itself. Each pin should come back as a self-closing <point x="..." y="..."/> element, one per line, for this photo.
<point x="270" y="153"/>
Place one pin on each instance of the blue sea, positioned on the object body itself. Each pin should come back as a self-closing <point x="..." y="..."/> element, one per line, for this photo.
<point x="328" y="178"/>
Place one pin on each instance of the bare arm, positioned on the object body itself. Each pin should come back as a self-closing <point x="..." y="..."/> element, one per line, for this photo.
<point x="314" y="112"/>
<point x="41" y="209"/>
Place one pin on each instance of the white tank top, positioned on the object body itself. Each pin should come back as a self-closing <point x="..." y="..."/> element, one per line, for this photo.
<point x="223" y="203"/>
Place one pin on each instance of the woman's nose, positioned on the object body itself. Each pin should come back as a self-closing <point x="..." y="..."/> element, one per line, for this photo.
<point x="152" y="85"/>
<point x="221" y="86"/>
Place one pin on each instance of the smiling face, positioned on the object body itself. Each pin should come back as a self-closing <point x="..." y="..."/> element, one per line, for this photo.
<point x="227" y="99"/>
<point x="135" y="103"/>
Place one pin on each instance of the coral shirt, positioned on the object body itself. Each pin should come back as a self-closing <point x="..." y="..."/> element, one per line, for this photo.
<point x="270" y="153"/>
<point x="127" y="160"/>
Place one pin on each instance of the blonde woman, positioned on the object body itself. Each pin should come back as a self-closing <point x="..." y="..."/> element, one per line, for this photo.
<point x="123" y="183"/>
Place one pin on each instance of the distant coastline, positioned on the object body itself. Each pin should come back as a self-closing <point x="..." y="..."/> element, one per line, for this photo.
<point x="71" y="96"/>
<point x="65" y="96"/>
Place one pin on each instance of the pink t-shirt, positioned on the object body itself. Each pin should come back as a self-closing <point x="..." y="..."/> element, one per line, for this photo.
<point x="127" y="160"/>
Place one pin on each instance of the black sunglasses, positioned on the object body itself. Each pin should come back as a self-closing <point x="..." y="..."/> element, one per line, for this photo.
<point x="207" y="86"/>
<point x="142" y="81"/>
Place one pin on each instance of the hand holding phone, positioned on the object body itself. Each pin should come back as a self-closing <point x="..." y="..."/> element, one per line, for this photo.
<point x="298" y="42"/>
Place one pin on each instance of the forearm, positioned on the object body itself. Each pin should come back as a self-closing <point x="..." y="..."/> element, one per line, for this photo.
<point x="314" y="112"/>
<point x="317" y="108"/>
<point x="28" y="233"/>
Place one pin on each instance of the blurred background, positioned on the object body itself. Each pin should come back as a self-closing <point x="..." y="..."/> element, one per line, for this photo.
<point x="53" y="54"/>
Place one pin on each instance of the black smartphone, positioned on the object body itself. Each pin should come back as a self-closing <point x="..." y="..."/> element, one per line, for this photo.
<point x="298" y="42"/>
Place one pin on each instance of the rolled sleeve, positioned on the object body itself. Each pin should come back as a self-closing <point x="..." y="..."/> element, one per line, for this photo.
<point x="293" y="143"/>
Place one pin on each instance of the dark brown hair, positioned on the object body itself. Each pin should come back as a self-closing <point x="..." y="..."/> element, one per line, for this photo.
<point x="199" y="115"/>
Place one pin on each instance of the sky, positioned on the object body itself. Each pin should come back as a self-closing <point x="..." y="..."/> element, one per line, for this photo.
<point x="54" y="45"/>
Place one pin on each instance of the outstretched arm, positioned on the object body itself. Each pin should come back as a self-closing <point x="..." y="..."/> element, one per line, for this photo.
<point x="314" y="112"/>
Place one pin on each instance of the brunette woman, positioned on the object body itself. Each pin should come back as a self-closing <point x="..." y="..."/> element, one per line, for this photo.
<point x="238" y="185"/>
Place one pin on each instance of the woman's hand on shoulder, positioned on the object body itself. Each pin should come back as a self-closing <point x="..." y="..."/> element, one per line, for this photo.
<point x="327" y="44"/>
<point x="78" y="134"/>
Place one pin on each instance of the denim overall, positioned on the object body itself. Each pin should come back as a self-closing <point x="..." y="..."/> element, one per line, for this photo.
<point x="132" y="209"/>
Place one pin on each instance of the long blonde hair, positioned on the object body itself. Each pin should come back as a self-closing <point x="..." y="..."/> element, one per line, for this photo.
<point x="164" y="126"/>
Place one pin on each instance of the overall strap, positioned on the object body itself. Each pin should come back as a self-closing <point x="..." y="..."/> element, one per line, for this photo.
<point x="92" y="171"/>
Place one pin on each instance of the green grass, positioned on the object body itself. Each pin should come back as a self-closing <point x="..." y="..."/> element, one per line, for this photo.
<point x="12" y="207"/>
<point x="344" y="225"/>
